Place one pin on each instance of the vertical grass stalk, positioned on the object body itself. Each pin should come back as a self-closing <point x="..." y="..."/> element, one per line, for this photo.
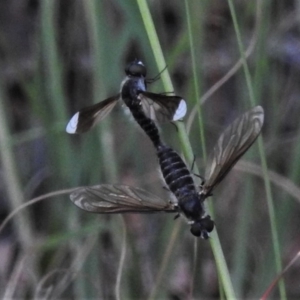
<point x="96" y="25"/>
<point x="22" y="224"/>
<point x="185" y="144"/>
<point x="262" y="154"/>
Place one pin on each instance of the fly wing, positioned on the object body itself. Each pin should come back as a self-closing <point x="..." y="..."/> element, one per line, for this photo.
<point x="162" y="107"/>
<point x="87" y="117"/>
<point x="231" y="145"/>
<point x="110" y="199"/>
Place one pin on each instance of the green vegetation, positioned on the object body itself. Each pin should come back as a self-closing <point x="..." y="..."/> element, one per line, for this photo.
<point x="223" y="58"/>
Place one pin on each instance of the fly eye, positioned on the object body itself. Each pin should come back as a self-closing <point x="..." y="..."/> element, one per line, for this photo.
<point x="208" y="224"/>
<point x="136" y="68"/>
<point x="196" y="229"/>
<point x="203" y="227"/>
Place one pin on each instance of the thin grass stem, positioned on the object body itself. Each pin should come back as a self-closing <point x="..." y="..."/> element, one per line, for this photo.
<point x="270" y="202"/>
<point x="23" y="224"/>
<point x="122" y="260"/>
<point x="158" y="54"/>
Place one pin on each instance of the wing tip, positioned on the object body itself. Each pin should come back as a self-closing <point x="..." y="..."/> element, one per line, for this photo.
<point x="180" y="111"/>
<point x="259" y="115"/>
<point x="72" y="125"/>
<point x="77" y="197"/>
<point x="258" y="109"/>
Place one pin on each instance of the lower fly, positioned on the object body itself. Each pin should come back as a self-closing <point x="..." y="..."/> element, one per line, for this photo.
<point x="231" y="145"/>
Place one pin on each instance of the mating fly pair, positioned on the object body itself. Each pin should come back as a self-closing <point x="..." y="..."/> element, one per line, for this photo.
<point x="189" y="199"/>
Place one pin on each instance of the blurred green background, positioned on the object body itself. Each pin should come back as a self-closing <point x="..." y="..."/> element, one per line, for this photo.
<point x="57" y="57"/>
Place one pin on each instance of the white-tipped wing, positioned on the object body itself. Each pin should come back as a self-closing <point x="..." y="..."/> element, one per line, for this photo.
<point x="163" y="108"/>
<point x="108" y="198"/>
<point x="73" y="124"/>
<point x="87" y="117"/>
<point x="181" y="110"/>
<point x="231" y="145"/>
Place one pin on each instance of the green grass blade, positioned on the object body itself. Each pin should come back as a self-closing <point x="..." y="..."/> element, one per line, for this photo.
<point x="158" y="54"/>
<point x="270" y="202"/>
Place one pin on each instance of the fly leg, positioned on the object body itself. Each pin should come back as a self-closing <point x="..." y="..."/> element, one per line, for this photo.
<point x="197" y="175"/>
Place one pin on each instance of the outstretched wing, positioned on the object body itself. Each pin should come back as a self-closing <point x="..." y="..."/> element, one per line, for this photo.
<point x="162" y="107"/>
<point x="231" y="145"/>
<point x="110" y="199"/>
<point x="87" y="117"/>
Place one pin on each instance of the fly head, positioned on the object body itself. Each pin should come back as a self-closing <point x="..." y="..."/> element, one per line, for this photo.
<point x="202" y="228"/>
<point x="136" y="69"/>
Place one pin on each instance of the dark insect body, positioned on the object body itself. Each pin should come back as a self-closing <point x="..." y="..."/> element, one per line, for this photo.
<point x="189" y="199"/>
<point x="133" y="92"/>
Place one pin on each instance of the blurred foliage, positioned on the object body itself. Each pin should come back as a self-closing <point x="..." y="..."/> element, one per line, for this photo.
<point x="59" y="56"/>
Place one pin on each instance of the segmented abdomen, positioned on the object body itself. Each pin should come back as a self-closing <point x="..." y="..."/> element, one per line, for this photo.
<point x="175" y="172"/>
<point x="147" y="124"/>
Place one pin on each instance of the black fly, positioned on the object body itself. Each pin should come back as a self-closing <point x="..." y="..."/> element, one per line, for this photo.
<point x="188" y="200"/>
<point x="157" y="107"/>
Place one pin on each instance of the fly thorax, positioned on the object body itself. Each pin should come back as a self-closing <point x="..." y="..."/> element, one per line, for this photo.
<point x="131" y="89"/>
<point x="191" y="206"/>
<point x="140" y="84"/>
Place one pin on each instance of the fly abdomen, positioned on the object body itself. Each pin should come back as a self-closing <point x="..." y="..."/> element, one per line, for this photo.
<point x="175" y="172"/>
<point x="147" y="124"/>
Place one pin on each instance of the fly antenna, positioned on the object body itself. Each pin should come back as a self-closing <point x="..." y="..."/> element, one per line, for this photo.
<point x="157" y="77"/>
